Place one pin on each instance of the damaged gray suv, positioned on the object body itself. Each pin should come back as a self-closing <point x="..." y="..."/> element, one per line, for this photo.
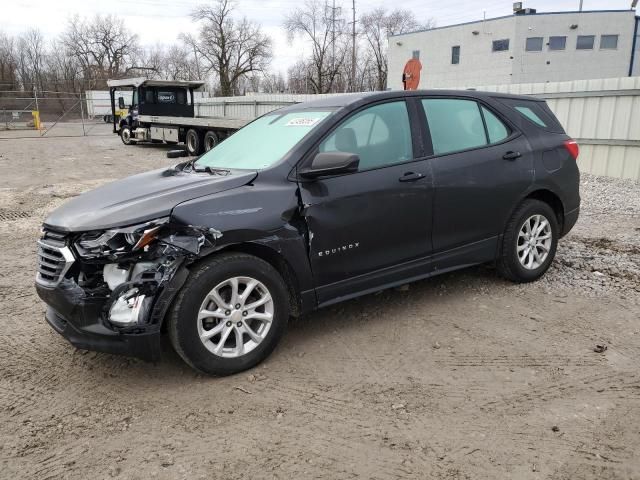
<point x="305" y="207"/>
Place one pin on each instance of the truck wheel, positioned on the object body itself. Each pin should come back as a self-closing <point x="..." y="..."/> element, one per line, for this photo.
<point x="230" y="314"/>
<point x="193" y="139"/>
<point x="529" y="242"/>
<point x="210" y="140"/>
<point x="125" y="134"/>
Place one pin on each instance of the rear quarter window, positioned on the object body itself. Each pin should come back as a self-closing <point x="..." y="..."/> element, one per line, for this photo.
<point x="534" y="112"/>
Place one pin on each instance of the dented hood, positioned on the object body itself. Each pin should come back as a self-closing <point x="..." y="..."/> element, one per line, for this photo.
<point x="140" y="198"/>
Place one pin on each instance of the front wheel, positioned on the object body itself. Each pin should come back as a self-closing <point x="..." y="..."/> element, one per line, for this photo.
<point x="529" y="243"/>
<point x="230" y="314"/>
<point x="125" y="134"/>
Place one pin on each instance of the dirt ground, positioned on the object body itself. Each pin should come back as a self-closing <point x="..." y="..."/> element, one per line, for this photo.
<point x="463" y="376"/>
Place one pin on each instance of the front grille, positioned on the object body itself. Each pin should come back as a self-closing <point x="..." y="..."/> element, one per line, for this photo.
<point x="54" y="259"/>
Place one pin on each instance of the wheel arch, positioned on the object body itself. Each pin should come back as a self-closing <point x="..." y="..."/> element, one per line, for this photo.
<point x="273" y="258"/>
<point x="551" y="199"/>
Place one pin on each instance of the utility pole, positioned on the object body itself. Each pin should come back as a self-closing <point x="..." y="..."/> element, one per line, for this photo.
<point x="580" y="6"/>
<point x="353" y="49"/>
<point x="333" y="41"/>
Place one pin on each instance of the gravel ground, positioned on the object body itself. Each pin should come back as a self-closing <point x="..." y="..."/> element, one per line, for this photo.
<point x="464" y="376"/>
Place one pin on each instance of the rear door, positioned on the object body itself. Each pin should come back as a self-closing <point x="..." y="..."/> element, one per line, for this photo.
<point x="481" y="166"/>
<point x="371" y="227"/>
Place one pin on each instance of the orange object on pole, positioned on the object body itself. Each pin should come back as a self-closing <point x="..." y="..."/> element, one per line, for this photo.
<point x="411" y="74"/>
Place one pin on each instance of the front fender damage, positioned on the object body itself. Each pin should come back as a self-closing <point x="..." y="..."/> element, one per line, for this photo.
<point x="133" y="294"/>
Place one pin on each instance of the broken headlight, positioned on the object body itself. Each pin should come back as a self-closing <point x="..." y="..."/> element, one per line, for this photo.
<point x="116" y="241"/>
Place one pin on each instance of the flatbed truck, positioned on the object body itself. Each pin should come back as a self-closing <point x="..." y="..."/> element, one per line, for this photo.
<point x="162" y="111"/>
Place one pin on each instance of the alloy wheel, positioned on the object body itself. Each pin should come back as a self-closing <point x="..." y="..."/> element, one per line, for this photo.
<point x="534" y="242"/>
<point x="235" y="317"/>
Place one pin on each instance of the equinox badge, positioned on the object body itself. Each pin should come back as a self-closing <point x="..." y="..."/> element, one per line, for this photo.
<point x="343" y="248"/>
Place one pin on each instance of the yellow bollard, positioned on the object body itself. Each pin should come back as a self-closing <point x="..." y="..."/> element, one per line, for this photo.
<point x="36" y="119"/>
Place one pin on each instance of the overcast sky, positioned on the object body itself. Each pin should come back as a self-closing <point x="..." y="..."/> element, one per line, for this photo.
<point x="160" y="21"/>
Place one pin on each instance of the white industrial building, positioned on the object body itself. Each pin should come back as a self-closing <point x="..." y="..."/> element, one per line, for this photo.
<point x="527" y="47"/>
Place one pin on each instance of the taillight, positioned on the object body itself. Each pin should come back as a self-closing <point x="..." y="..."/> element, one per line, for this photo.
<point x="572" y="147"/>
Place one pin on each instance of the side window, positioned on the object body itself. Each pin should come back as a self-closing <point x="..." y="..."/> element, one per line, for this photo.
<point x="531" y="115"/>
<point x="495" y="128"/>
<point x="148" y="96"/>
<point x="536" y="112"/>
<point x="380" y="135"/>
<point x="181" y="96"/>
<point x="454" y="124"/>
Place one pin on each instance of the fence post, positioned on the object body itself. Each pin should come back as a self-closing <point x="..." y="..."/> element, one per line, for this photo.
<point x="84" y="133"/>
<point x="35" y="95"/>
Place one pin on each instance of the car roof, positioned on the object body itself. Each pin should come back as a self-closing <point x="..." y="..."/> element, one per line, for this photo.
<point x="362" y="98"/>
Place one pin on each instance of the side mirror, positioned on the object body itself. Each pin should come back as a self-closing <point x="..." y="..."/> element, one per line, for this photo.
<point x="121" y="104"/>
<point x="331" y="163"/>
<point x="176" y="153"/>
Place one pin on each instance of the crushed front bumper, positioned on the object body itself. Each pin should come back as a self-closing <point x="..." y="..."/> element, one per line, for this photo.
<point x="80" y="317"/>
<point x="97" y="337"/>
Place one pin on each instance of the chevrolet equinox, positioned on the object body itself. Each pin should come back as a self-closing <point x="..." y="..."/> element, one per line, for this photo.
<point x="304" y="207"/>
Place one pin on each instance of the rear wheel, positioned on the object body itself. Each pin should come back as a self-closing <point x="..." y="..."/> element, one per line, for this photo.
<point x="125" y="134"/>
<point x="529" y="243"/>
<point x="230" y="314"/>
<point x="210" y="140"/>
<point x="193" y="140"/>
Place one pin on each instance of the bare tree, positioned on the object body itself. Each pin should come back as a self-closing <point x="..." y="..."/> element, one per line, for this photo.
<point x="378" y="25"/>
<point x="8" y="63"/>
<point x="104" y="47"/>
<point x="230" y="48"/>
<point x="321" y="25"/>
<point x="63" y="70"/>
<point x="274" y="83"/>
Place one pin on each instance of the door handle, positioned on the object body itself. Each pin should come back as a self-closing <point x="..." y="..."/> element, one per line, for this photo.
<point x="511" y="155"/>
<point x="411" y="177"/>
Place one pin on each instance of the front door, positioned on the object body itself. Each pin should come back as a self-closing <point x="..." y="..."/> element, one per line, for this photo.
<point x="371" y="227"/>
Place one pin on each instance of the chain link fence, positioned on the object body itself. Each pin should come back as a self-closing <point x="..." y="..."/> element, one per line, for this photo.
<point x="49" y="113"/>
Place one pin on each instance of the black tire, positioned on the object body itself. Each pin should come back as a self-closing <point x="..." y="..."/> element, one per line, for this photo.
<point x="193" y="141"/>
<point x="210" y="140"/>
<point x="183" y="320"/>
<point x="125" y="135"/>
<point x="508" y="262"/>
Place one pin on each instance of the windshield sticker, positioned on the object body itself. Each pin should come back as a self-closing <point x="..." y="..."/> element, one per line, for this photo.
<point x="302" y="122"/>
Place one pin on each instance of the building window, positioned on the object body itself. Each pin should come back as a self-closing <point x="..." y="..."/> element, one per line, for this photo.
<point x="500" y="45"/>
<point x="609" y="42"/>
<point x="585" y="42"/>
<point x="534" y="44"/>
<point x="557" y="43"/>
<point x="455" y="55"/>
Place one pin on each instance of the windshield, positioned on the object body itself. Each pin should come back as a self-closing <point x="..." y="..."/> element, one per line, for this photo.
<point x="263" y="142"/>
